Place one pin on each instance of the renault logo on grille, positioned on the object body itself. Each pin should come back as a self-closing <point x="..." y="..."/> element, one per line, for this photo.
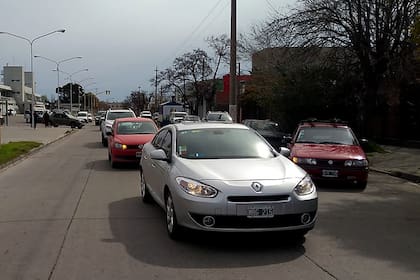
<point x="257" y="187"/>
<point x="330" y="162"/>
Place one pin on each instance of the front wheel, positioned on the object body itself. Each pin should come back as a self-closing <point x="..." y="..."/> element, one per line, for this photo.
<point x="144" y="192"/>
<point x="171" y="222"/>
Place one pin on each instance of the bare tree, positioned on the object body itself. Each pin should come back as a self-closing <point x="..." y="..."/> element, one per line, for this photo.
<point x="378" y="32"/>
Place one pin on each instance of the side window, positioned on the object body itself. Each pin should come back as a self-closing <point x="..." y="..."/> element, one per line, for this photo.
<point x="158" y="139"/>
<point x="167" y="143"/>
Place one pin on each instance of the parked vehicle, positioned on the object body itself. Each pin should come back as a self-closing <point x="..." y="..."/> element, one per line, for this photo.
<point x="225" y="177"/>
<point x="127" y="137"/>
<point x="269" y="130"/>
<point x="83" y="116"/>
<point x="110" y="116"/>
<point x="63" y="118"/>
<point x="218" y="116"/>
<point x="330" y="152"/>
<point x="89" y="117"/>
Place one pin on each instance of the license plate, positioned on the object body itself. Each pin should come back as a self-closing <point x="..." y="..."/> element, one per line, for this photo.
<point x="330" y="173"/>
<point x="138" y="154"/>
<point x="260" y="211"/>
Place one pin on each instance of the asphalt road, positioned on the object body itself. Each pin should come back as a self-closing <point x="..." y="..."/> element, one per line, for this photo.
<point x="65" y="214"/>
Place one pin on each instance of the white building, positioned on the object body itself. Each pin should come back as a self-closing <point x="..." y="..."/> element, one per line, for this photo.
<point x="17" y="88"/>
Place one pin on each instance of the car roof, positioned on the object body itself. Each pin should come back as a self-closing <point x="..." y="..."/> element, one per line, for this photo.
<point x="134" y="119"/>
<point x="323" y="123"/>
<point x="206" y="125"/>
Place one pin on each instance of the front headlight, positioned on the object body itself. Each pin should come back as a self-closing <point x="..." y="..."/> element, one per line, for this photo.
<point x="120" y="146"/>
<point x="305" y="187"/>
<point x="356" y="163"/>
<point x="195" y="188"/>
<point x="309" y="161"/>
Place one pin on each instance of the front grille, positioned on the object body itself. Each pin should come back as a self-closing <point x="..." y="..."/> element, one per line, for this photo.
<point x="243" y="222"/>
<point x="133" y="147"/>
<point x="330" y="163"/>
<point x="258" y="198"/>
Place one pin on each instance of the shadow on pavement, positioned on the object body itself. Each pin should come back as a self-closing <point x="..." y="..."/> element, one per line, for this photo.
<point x="144" y="237"/>
<point x="382" y="223"/>
<point x="104" y="165"/>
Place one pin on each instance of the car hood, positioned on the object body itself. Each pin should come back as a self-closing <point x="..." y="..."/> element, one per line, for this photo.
<point x="239" y="169"/>
<point x="133" y="139"/>
<point x="328" y="151"/>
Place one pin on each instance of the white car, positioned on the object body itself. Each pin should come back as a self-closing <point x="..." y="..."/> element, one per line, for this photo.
<point x="146" y="114"/>
<point x="110" y="116"/>
<point x="90" y="117"/>
<point x="225" y="177"/>
<point x="82" y="116"/>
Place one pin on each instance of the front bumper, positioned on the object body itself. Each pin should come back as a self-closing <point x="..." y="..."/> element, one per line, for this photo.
<point x="232" y="215"/>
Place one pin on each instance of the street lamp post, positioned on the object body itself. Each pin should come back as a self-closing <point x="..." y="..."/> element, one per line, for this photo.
<point x="58" y="72"/>
<point x="84" y="96"/>
<point x="70" y="76"/>
<point x="31" y="42"/>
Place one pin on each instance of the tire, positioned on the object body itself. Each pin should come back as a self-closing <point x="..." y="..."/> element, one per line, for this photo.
<point x="174" y="230"/>
<point x="112" y="162"/>
<point x="361" y="186"/>
<point x="144" y="192"/>
<point x="72" y="125"/>
<point x="104" y="141"/>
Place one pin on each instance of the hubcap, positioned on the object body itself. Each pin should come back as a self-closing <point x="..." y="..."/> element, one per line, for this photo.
<point x="142" y="186"/>
<point x="169" y="214"/>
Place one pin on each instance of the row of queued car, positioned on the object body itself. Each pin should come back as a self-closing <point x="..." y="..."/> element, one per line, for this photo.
<point x="223" y="176"/>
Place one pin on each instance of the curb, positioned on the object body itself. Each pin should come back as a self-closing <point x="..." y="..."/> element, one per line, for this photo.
<point x="33" y="151"/>
<point x="399" y="174"/>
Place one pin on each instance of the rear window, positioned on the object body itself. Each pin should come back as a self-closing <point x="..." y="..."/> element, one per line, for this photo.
<point x="118" y="115"/>
<point x="136" y="128"/>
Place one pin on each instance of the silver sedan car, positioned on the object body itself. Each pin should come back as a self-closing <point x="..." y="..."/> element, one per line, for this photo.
<point x="225" y="177"/>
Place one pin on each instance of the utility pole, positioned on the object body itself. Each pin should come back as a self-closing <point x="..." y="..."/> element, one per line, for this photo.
<point x="156" y="90"/>
<point x="232" y="79"/>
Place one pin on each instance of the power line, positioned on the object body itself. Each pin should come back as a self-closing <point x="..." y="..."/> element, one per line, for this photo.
<point x="194" y="31"/>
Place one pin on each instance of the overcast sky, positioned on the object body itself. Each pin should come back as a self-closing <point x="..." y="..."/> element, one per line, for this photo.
<point x="121" y="42"/>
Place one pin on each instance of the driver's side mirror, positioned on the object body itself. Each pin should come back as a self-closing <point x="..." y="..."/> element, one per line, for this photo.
<point x="159" y="155"/>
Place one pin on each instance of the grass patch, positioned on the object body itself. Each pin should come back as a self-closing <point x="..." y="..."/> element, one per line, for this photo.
<point x="373" y="147"/>
<point x="13" y="150"/>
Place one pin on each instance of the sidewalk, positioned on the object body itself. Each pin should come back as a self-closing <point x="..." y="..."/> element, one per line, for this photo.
<point x="397" y="161"/>
<point x="18" y="130"/>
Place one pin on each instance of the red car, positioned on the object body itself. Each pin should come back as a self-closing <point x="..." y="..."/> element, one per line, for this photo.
<point x="127" y="137"/>
<point x="330" y="152"/>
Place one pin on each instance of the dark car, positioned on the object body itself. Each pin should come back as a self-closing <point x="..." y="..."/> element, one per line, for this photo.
<point x="63" y="118"/>
<point x="330" y="152"/>
<point x="98" y="117"/>
<point x="270" y="130"/>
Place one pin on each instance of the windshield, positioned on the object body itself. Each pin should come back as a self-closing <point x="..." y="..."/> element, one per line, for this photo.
<point x="136" y="128"/>
<point x="82" y="114"/>
<point x="118" y="115"/>
<point x="326" y="135"/>
<point x="218" y="143"/>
